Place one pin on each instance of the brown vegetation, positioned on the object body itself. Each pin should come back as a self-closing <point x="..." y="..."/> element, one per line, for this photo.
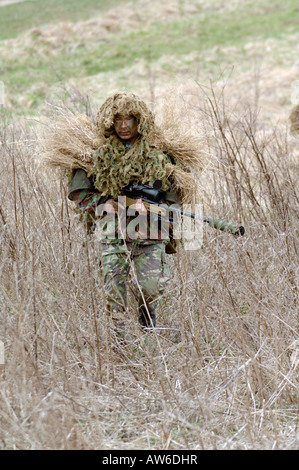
<point x="220" y="371"/>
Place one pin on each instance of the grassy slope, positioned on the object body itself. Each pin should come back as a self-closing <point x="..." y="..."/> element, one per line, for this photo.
<point x="198" y="33"/>
<point x="16" y="19"/>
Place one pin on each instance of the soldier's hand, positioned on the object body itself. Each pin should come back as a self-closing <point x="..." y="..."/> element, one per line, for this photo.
<point x="140" y="207"/>
<point x="110" y="206"/>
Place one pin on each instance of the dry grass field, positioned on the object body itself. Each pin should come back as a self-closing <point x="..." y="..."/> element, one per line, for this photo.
<point x="221" y="369"/>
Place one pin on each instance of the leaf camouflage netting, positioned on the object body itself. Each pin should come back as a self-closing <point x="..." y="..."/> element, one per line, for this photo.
<point x="172" y="155"/>
<point x="115" y="167"/>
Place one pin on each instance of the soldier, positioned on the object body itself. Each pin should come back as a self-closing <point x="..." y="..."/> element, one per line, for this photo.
<point x="125" y="125"/>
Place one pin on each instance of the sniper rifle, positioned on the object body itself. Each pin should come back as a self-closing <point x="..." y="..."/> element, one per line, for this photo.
<point x="153" y="198"/>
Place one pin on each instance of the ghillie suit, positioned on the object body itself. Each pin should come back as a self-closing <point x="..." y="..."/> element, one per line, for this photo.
<point x="170" y="155"/>
<point x="72" y="142"/>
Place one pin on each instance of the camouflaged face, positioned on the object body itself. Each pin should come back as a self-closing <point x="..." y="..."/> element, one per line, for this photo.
<point x="124" y="104"/>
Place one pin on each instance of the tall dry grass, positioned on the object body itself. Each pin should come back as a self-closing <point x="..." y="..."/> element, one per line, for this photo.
<point x="223" y="371"/>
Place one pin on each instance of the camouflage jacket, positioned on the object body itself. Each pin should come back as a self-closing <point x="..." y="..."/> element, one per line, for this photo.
<point x="88" y="200"/>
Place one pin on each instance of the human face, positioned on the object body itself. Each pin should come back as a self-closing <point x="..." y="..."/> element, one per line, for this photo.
<point x="126" y="127"/>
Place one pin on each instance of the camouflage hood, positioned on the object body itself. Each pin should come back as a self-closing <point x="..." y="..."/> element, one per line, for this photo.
<point x="115" y="166"/>
<point x="124" y="103"/>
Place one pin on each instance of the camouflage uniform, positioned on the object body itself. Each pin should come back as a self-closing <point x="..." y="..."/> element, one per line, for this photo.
<point x="118" y="162"/>
<point x="146" y="258"/>
<point x="151" y="276"/>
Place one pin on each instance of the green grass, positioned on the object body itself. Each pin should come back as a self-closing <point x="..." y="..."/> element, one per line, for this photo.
<point x="18" y="18"/>
<point x="245" y="24"/>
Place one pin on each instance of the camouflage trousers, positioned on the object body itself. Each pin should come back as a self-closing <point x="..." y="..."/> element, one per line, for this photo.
<point x="148" y="265"/>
